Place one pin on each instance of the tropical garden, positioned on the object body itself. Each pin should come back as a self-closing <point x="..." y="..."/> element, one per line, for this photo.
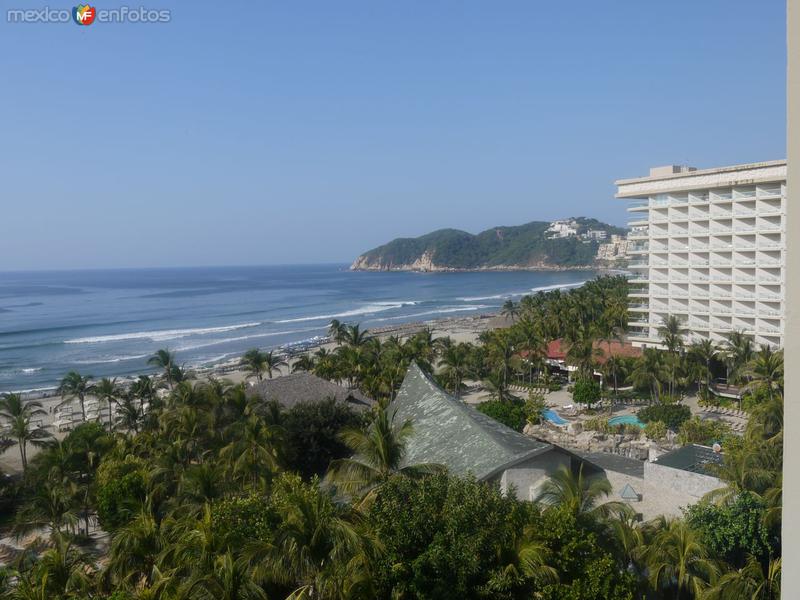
<point x="198" y="489"/>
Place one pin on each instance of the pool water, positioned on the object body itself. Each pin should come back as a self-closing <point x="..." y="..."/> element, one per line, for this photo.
<point x="626" y="420"/>
<point x="553" y="417"/>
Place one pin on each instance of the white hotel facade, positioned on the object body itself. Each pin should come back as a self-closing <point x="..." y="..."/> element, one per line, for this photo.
<point x="708" y="246"/>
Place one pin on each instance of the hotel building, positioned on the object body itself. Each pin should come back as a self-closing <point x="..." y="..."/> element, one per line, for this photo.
<point x="708" y="246"/>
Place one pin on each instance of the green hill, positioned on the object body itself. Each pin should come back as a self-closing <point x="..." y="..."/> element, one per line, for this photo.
<point x="522" y="247"/>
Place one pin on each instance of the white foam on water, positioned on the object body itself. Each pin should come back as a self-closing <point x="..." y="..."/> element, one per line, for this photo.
<point x="543" y="288"/>
<point x="242" y="338"/>
<point x="110" y="360"/>
<point x="438" y="311"/>
<point x="159" y="335"/>
<point x="369" y="309"/>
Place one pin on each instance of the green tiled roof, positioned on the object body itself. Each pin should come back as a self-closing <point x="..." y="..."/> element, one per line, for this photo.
<point x="451" y="433"/>
<point x="694" y="458"/>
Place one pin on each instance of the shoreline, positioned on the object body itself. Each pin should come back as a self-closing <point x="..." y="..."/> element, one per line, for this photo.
<point x="461" y="328"/>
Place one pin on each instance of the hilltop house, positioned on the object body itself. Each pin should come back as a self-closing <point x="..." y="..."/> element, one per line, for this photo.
<point x="451" y="433"/>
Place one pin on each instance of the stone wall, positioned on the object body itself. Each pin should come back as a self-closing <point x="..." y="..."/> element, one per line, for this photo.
<point x="693" y="485"/>
<point x="527" y="477"/>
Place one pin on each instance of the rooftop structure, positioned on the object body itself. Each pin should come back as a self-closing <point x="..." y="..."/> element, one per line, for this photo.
<point x="693" y="458"/>
<point x="557" y="350"/>
<point x="290" y="390"/>
<point x="708" y="246"/>
<point x="451" y="433"/>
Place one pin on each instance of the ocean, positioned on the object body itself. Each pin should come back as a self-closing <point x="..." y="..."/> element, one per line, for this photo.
<point x="107" y="322"/>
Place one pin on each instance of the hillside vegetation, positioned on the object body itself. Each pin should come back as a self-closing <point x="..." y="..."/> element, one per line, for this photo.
<point x="522" y="246"/>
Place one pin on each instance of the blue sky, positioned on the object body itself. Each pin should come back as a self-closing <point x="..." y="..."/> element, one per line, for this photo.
<point x="256" y="133"/>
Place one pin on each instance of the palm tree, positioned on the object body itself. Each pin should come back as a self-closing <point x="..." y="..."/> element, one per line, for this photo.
<point x="107" y="389"/>
<point x="765" y="371"/>
<point x="576" y="493"/>
<point x="129" y="415"/>
<point x="510" y="310"/>
<point x="61" y="571"/>
<point x="254" y="450"/>
<point x="649" y="372"/>
<point x="273" y="362"/>
<point x="135" y="549"/>
<point x="19" y="414"/>
<point x="164" y="360"/>
<point x="455" y="361"/>
<point x="582" y="354"/>
<point x="677" y="561"/>
<point x="702" y="353"/>
<point x="671" y="332"/>
<point x="77" y="386"/>
<point x="52" y="506"/>
<point x="304" y="363"/>
<point x="614" y="369"/>
<point x="319" y="549"/>
<point x="336" y="330"/>
<point x="738" y="351"/>
<point x="378" y="453"/>
<point x="227" y="579"/>
<point x="751" y="582"/>
<point x="501" y="352"/>
<point x="255" y="363"/>
<point x="354" y="336"/>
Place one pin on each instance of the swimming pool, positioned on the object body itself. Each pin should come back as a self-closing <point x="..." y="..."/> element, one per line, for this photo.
<point x="626" y="420"/>
<point x="553" y="417"/>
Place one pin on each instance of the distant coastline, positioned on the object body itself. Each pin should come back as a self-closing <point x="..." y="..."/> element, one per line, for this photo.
<point x="498" y="268"/>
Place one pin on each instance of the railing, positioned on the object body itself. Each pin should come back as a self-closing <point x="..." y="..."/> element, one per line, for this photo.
<point x="768" y="191"/>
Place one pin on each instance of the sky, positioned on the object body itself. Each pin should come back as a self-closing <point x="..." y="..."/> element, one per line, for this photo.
<point x="301" y="132"/>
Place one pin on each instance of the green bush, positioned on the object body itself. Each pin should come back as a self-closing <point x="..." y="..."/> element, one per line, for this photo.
<point x="586" y="391"/>
<point x="510" y="413"/>
<point x="534" y="407"/>
<point x="656" y="430"/>
<point x="119" y="490"/>
<point x="703" y="431"/>
<point x="734" y="530"/>
<point x="672" y="415"/>
<point x="244" y="519"/>
<point x="312" y="435"/>
<point x="597" y="424"/>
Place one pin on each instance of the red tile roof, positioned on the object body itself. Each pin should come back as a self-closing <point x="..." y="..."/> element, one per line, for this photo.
<point x="557" y="350"/>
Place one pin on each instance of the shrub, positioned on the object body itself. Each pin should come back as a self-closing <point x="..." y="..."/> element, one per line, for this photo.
<point x="534" y="407"/>
<point x="656" y="430"/>
<point x="586" y="391"/>
<point x="244" y="519"/>
<point x="119" y="491"/>
<point x="734" y="530"/>
<point x="312" y="435"/>
<point x="672" y="415"/>
<point x="597" y="424"/>
<point x="703" y="431"/>
<point x="510" y="413"/>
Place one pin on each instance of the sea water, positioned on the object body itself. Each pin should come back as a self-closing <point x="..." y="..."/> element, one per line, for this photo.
<point x="107" y="322"/>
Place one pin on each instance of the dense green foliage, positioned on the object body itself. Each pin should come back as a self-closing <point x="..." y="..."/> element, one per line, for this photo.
<point x="735" y="530"/>
<point x="672" y="415"/>
<point x="510" y="412"/>
<point x="212" y="494"/>
<point x="523" y="246"/>
<point x="586" y="391"/>
<point x="312" y="435"/>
